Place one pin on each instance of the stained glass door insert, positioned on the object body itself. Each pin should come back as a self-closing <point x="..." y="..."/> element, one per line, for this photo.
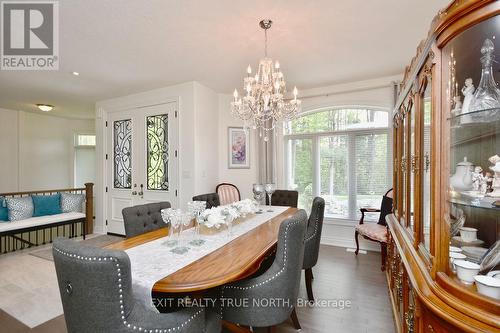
<point x="122" y="154"/>
<point x="157" y="152"/>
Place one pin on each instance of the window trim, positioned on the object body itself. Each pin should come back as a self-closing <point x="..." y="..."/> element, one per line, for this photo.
<point x="78" y="134"/>
<point x="351" y="150"/>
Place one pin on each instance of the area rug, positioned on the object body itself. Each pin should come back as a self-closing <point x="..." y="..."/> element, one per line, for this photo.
<point x="97" y="241"/>
<point x="28" y="283"/>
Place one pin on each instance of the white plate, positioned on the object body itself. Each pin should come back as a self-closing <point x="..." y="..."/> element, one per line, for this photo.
<point x="455" y="249"/>
<point x="473" y="251"/>
<point x="495" y="274"/>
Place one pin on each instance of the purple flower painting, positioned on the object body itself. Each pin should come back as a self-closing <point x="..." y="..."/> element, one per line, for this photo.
<point x="238" y="148"/>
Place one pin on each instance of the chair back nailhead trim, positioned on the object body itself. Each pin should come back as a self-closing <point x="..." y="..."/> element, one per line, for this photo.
<point x="120" y="294"/>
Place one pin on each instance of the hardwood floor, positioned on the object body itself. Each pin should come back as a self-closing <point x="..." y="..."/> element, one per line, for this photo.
<point x="339" y="275"/>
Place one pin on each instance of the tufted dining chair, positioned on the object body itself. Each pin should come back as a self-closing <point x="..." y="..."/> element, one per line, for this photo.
<point x="312" y="242"/>
<point x="376" y="232"/>
<point x="280" y="282"/>
<point x="96" y="292"/>
<point x="143" y="218"/>
<point x="284" y="198"/>
<point x="212" y="199"/>
<point x="228" y="193"/>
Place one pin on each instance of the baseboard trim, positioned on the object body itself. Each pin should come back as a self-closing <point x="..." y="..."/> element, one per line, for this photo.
<point x="349" y="243"/>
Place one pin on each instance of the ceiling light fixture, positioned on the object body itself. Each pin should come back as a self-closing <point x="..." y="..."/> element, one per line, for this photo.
<point x="76" y="73"/>
<point x="45" y="107"/>
<point x="264" y="104"/>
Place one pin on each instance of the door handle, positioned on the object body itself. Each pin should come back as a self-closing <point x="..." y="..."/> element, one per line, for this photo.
<point x="134" y="192"/>
<point x="141" y="193"/>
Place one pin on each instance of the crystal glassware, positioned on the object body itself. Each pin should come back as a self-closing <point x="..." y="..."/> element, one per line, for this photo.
<point x="258" y="194"/>
<point x="183" y="222"/>
<point x="487" y="95"/>
<point x="170" y="216"/>
<point x="196" y="208"/>
<point x="229" y="223"/>
<point x="270" y="188"/>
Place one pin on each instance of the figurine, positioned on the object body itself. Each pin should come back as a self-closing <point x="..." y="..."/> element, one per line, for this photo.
<point x="489" y="182"/>
<point x="477" y="178"/>
<point x="457" y="106"/>
<point x="468" y="92"/>
<point x="496" y="179"/>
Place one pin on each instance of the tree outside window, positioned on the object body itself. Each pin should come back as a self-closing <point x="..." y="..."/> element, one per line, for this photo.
<point x="342" y="155"/>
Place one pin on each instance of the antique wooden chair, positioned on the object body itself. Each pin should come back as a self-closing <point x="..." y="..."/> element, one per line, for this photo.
<point x="376" y="232"/>
<point x="228" y="193"/>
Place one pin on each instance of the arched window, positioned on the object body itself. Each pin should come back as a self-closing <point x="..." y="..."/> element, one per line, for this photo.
<point x="342" y="155"/>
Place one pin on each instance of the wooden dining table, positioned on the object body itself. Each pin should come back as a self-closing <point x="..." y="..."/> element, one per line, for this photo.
<point x="234" y="261"/>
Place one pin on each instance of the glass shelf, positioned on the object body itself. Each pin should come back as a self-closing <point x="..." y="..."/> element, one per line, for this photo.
<point x="475" y="114"/>
<point x="484" y="202"/>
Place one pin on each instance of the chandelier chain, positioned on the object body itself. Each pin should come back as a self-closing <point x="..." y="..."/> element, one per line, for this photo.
<point x="265" y="42"/>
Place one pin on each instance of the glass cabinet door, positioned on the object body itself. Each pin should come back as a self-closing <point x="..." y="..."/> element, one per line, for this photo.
<point x="412" y="160"/>
<point x="472" y="70"/>
<point x="398" y="167"/>
<point x="404" y="168"/>
<point x="425" y="165"/>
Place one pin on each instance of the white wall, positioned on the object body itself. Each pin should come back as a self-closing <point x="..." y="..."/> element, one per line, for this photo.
<point x="242" y="178"/>
<point x="206" y="134"/>
<point x="40" y="154"/>
<point x="9" y="151"/>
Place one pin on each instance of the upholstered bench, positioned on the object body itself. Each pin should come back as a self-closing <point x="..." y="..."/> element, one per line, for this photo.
<point x="41" y="225"/>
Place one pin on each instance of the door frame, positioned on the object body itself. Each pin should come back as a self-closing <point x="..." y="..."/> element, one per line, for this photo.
<point x="103" y="109"/>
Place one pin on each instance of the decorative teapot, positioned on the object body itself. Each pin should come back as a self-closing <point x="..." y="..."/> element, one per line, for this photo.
<point x="462" y="179"/>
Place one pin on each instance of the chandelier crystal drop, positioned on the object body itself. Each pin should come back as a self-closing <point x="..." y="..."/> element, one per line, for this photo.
<point x="263" y="103"/>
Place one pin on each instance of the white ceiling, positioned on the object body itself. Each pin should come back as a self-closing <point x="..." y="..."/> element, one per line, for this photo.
<point x="127" y="46"/>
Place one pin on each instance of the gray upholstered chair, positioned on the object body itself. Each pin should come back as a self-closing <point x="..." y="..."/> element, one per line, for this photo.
<point x="143" y="218"/>
<point x="312" y="242"/>
<point x="284" y="198"/>
<point x="280" y="282"/>
<point x="212" y="199"/>
<point x="96" y="292"/>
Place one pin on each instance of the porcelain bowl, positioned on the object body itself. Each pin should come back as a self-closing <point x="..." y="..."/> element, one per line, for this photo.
<point x="457" y="256"/>
<point x="468" y="234"/>
<point x="466" y="270"/>
<point x="455" y="249"/>
<point x="488" y="286"/>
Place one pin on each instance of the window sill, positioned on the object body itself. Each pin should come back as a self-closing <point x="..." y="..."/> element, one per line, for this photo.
<point x="343" y="222"/>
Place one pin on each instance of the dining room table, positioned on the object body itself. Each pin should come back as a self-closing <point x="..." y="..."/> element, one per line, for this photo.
<point x="223" y="258"/>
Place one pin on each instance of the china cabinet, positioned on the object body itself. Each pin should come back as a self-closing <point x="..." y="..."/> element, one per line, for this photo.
<point x="444" y="235"/>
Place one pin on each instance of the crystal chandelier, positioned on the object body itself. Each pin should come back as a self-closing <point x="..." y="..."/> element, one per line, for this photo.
<point x="263" y="104"/>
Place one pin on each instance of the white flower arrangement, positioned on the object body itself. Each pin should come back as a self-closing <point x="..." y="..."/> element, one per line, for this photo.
<point x="245" y="207"/>
<point x="216" y="217"/>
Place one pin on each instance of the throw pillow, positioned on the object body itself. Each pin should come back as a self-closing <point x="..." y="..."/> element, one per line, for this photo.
<point x="20" y="208"/>
<point x="46" y="204"/>
<point x="4" y="212"/>
<point x="72" y="202"/>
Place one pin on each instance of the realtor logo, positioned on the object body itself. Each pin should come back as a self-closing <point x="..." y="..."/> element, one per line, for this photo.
<point x="29" y="35"/>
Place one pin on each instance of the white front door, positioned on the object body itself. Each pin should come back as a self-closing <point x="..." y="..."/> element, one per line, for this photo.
<point x="142" y="163"/>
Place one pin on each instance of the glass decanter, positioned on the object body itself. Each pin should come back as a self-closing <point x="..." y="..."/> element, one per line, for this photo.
<point x="487" y="95"/>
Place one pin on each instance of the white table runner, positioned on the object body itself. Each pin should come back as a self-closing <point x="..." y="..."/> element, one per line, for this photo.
<point x="153" y="261"/>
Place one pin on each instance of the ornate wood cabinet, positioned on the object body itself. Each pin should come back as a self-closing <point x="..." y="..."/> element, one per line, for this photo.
<point x="446" y="129"/>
